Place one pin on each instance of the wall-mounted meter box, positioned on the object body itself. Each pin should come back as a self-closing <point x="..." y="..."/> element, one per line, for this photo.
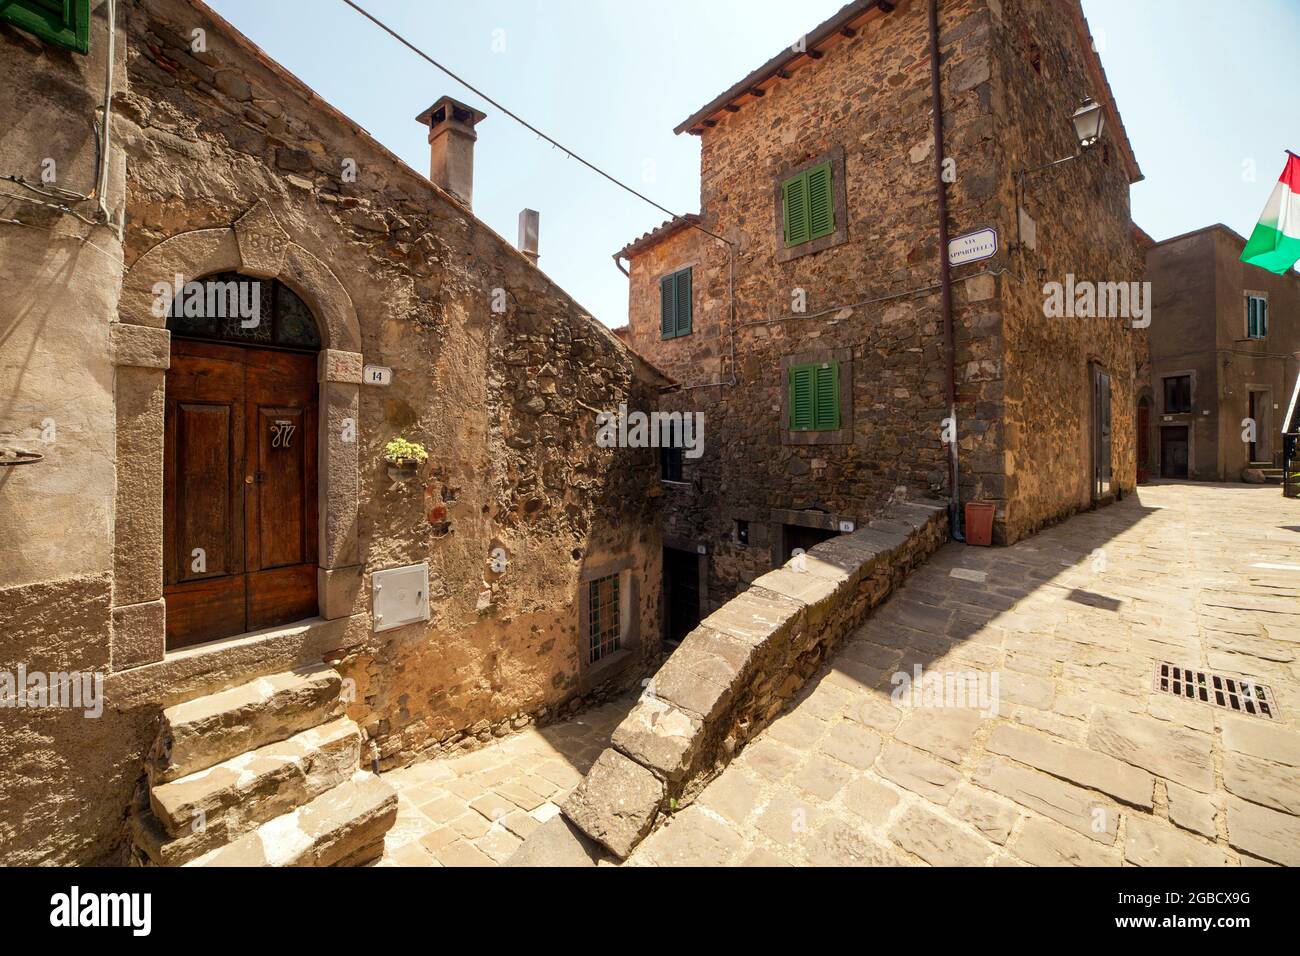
<point x="400" y="596"/>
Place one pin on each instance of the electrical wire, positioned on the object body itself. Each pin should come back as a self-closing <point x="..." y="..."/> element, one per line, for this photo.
<point x="523" y="122"/>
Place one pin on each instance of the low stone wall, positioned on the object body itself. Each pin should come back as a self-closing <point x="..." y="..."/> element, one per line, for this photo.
<point x="729" y="678"/>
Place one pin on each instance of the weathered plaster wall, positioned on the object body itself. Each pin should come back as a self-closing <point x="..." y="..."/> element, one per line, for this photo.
<point x="1199" y="327"/>
<point x="505" y="403"/>
<point x="59" y="277"/>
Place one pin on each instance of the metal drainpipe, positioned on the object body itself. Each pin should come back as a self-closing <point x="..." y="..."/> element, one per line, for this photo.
<point x="945" y="275"/>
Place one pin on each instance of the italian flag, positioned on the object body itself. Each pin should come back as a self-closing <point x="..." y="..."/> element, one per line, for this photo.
<point x="1275" y="243"/>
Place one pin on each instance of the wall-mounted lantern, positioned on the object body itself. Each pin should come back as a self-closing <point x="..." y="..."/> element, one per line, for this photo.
<point x="1089" y="121"/>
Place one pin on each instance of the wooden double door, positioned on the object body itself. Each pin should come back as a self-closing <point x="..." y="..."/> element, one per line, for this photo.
<point x="240" y="512"/>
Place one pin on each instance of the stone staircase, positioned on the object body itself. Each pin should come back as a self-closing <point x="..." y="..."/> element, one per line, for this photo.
<point x="263" y="774"/>
<point x="1272" y="474"/>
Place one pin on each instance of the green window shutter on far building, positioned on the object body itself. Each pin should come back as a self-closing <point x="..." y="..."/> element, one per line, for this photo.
<point x="815" y="397"/>
<point x="65" y="23"/>
<point x="675" y="304"/>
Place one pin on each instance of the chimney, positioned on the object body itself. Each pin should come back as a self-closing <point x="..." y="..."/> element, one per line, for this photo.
<point x="451" y="146"/>
<point x="528" y="226"/>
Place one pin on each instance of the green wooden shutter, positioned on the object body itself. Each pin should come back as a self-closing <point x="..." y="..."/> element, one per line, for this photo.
<point x="65" y="23"/>
<point x="683" y="312"/>
<point x="802" y="402"/>
<point x="667" y="306"/>
<point x="794" y="196"/>
<point x="827" y="397"/>
<point x="821" y="202"/>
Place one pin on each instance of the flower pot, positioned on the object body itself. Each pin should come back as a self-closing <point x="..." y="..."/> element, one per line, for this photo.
<point x="979" y="522"/>
<point x="402" y="469"/>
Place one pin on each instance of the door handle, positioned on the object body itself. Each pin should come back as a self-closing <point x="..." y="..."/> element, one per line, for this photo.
<point x="254" y="479"/>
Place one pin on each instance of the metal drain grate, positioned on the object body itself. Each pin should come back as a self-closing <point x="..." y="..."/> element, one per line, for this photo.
<point x="1230" y="693"/>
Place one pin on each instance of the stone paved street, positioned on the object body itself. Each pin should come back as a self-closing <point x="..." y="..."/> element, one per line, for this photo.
<point x="1083" y="764"/>
<point x="474" y="810"/>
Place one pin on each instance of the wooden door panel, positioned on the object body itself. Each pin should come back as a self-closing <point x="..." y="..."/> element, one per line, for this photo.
<point x="279" y="484"/>
<point x="204" y="478"/>
<point x="240" y="490"/>
<point x="208" y="610"/>
<point x="281" y="596"/>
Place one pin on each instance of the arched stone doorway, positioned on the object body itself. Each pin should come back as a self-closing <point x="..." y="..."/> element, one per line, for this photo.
<point x="255" y="246"/>
<point x="239" y="459"/>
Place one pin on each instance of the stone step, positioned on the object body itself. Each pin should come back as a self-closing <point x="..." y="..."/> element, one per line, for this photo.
<point x="344" y="826"/>
<point x="202" y="733"/>
<point x="212" y="806"/>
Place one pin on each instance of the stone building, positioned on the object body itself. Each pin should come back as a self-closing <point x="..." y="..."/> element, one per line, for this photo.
<point x="194" y="502"/>
<point x="802" y="310"/>
<point x="1225" y="351"/>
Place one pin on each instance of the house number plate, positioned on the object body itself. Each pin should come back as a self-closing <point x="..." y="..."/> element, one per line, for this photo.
<point x="282" y="433"/>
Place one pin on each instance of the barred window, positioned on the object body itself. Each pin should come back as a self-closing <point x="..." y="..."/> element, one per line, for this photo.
<point x="603" y="633"/>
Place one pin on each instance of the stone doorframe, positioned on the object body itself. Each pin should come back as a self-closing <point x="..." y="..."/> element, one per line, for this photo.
<point x="256" y="245"/>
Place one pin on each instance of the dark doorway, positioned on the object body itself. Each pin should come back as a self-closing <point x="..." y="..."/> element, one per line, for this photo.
<point x="796" y="537"/>
<point x="1173" y="451"/>
<point x="1144" y="438"/>
<point x="681" y="593"/>
<point x="1101" y="431"/>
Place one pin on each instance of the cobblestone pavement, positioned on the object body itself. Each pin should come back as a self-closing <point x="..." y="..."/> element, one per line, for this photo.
<point x="474" y="810"/>
<point x="1083" y="763"/>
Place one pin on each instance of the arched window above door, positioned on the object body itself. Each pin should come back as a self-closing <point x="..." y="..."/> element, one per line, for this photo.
<point x="243" y="310"/>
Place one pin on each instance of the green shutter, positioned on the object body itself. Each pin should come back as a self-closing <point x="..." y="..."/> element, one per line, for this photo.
<point x="667" y="303"/>
<point x="65" y="23"/>
<point x="1256" y="317"/>
<point x="683" y="322"/>
<point x="815" y="397"/>
<point x="794" y="196"/>
<point x="802" y="403"/>
<point x="675" y="304"/>
<point x="821" y="202"/>
<point x="828" y="397"/>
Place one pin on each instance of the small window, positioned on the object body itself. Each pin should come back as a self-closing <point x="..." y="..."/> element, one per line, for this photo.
<point x="603" y="634"/>
<point x="742" y="532"/>
<point x="1178" y="394"/>
<point x="815" y="397"/>
<point x="809" y="201"/>
<point x="1256" y="316"/>
<point x="64" y="23"/>
<point x="675" y="304"/>
<point x="670" y="464"/>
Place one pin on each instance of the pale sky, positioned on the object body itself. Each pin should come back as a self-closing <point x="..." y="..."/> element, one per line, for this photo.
<point x="1207" y="91"/>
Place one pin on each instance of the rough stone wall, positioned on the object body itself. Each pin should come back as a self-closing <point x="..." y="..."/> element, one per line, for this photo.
<point x="870" y="96"/>
<point x="505" y="403"/>
<point x="726" y="681"/>
<point x="1083" y="226"/>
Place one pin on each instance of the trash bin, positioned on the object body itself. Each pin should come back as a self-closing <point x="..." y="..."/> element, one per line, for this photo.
<point x="979" y="522"/>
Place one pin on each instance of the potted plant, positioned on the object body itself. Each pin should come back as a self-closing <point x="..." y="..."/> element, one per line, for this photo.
<point x="403" y="458"/>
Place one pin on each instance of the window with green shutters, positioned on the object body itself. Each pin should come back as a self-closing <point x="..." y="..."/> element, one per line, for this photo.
<point x="815" y="397"/>
<point x="809" y="204"/>
<point x="675" y="304"/>
<point x="1256" y="316"/>
<point x="65" y="23"/>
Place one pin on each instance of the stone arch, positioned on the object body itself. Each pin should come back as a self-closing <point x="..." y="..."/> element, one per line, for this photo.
<point x="255" y="244"/>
